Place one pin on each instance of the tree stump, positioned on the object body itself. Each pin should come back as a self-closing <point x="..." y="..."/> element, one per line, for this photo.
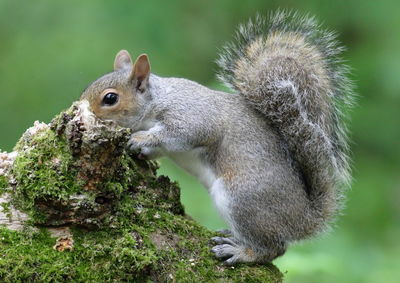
<point x="75" y="205"/>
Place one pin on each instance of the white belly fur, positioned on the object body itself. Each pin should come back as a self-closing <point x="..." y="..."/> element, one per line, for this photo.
<point x="191" y="162"/>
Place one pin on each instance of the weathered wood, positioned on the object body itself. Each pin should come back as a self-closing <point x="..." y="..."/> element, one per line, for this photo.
<point x="10" y="217"/>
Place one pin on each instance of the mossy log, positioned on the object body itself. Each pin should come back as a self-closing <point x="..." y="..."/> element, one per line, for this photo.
<point x="76" y="206"/>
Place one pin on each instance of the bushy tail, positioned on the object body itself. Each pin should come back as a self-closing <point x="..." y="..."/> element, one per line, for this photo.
<point x="288" y="68"/>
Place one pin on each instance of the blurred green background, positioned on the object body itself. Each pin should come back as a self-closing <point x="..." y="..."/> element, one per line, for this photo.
<point x="50" y="50"/>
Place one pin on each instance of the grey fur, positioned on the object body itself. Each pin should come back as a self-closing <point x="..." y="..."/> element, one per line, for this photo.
<point x="274" y="154"/>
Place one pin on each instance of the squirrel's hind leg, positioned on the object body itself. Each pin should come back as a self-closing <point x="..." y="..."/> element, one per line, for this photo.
<point x="247" y="243"/>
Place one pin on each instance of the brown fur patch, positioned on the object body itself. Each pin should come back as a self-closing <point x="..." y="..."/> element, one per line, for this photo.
<point x="228" y="173"/>
<point x="250" y="253"/>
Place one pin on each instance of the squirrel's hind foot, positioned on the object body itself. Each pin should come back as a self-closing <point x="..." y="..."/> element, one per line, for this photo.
<point x="229" y="250"/>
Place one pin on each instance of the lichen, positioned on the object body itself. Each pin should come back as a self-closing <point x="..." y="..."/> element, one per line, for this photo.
<point x="127" y="224"/>
<point x="6" y="160"/>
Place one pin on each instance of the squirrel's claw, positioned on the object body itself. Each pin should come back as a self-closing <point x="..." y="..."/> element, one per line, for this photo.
<point x="231" y="251"/>
<point x="231" y="254"/>
<point x="133" y="145"/>
<point x="232" y="260"/>
<point x="224" y="251"/>
<point x="225" y="248"/>
<point x="222" y="240"/>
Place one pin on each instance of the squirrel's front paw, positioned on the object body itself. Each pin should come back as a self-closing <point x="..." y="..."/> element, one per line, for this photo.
<point x="138" y="140"/>
<point x="146" y="143"/>
<point x="148" y="153"/>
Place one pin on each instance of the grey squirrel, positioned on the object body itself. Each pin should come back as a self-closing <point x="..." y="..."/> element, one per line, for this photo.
<point x="273" y="154"/>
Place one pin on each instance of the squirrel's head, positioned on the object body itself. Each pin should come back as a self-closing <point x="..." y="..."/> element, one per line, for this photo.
<point x="121" y="95"/>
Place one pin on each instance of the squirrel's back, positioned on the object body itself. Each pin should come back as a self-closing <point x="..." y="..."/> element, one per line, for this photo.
<point x="288" y="69"/>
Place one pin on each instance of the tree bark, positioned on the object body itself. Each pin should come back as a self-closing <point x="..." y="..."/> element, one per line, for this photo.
<point x="75" y="205"/>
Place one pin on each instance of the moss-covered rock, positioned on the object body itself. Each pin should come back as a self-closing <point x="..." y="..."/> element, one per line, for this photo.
<point x="124" y="223"/>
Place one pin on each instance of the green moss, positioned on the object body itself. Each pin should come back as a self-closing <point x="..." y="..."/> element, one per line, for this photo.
<point x="128" y="254"/>
<point x="95" y="258"/>
<point x="6" y="209"/>
<point x="3" y="183"/>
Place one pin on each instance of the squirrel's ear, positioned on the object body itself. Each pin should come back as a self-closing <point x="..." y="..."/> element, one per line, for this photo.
<point x="122" y="60"/>
<point x="141" y="72"/>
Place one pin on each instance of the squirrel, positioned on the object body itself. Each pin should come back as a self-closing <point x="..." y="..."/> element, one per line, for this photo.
<point x="273" y="154"/>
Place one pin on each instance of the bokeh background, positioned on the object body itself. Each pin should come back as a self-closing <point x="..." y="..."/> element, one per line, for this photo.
<point x="50" y="51"/>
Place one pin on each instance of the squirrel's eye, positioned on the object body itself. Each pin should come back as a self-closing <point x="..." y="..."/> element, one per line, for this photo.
<point x="110" y="99"/>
